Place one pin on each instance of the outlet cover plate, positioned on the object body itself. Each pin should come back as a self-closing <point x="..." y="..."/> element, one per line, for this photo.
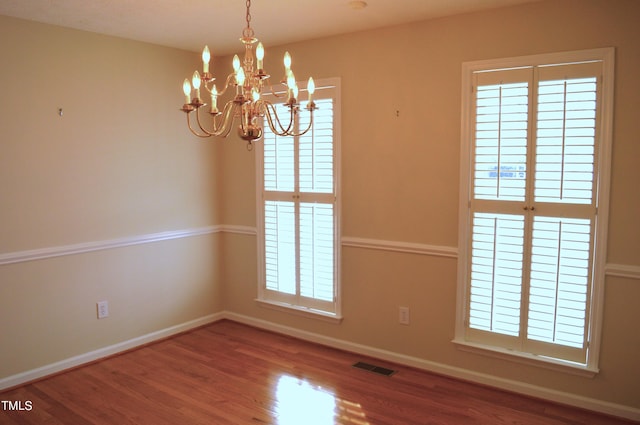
<point x="103" y="309"/>
<point x="403" y="317"/>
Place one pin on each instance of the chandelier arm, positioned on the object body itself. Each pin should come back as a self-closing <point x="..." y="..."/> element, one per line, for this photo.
<point x="270" y="120"/>
<point x="226" y="85"/>
<point x="278" y="96"/>
<point x="200" y="123"/>
<point x="227" y="122"/>
<point x="307" y="129"/>
<point x="220" y="121"/>
<point x="224" y="129"/>
<point x="228" y="117"/>
<point x="282" y="132"/>
<point x="195" y="133"/>
<point x="292" y="114"/>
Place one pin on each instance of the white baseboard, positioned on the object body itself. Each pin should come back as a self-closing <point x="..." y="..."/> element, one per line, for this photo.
<point x="50" y="369"/>
<point x="613" y="409"/>
<point x="600" y="406"/>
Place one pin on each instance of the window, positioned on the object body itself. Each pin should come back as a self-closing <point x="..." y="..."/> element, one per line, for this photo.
<point x="299" y="211"/>
<point x="534" y="205"/>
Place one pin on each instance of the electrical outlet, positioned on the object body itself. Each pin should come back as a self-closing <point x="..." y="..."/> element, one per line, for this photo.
<point x="103" y="309"/>
<point x="403" y="316"/>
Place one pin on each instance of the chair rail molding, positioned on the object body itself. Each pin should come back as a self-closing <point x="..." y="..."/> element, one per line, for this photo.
<point x="622" y="270"/>
<point x="399" y="246"/>
<point x="616" y="270"/>
<point x="80" y="248"/>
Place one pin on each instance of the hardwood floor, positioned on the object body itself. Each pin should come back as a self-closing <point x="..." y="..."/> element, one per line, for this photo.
<point x="228" y="373"/>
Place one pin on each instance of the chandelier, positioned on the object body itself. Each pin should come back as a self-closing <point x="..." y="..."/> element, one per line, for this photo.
<point x="248" y="106"/>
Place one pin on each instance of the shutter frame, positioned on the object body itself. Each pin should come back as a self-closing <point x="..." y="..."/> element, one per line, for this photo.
<point x="309" y="196"/>
<point x="604" y="57"/>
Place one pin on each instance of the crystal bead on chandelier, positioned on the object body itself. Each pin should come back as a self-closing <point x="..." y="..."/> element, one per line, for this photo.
<point x="247" y="106"/>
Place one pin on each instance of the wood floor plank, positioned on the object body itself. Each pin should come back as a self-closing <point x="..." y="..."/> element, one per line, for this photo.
<point x="229" y="373"/>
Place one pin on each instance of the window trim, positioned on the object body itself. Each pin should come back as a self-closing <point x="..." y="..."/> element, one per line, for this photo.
<point x="607" y="56"/>
<point x="299" y="310"/>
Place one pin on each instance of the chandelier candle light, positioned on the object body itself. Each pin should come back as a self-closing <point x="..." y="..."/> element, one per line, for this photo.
<point x="247" y="106"/>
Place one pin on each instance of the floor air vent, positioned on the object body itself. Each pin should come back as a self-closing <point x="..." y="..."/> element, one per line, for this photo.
<point x="375" y="369"/>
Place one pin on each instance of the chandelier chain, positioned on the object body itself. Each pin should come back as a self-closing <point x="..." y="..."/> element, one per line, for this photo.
<point x="248" y="32"/>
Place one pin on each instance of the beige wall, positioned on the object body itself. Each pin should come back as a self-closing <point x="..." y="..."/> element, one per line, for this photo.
<point x="400" y="181"/>
<point x="118" y="165"/>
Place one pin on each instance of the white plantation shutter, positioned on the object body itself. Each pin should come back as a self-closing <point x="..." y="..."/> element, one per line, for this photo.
<point x="532" y="208"/>
<point x="496" y="273"/>
<point x="316" y="251"/>
<point x="499" y="175"/>
<point x="279" y="212"/>
<point x="278" y="159"/>
<point x="502" y="105"/>
<point x="298" y="206"/>
<point x="316" y="152"/>
<point x="280" y="246"/>
<point x="565" y="142"/>
<point x="559" y="284"/>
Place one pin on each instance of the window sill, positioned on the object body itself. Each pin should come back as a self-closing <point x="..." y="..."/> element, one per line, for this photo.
<point x="527" y="359"/>
<point x="301" y="311"/>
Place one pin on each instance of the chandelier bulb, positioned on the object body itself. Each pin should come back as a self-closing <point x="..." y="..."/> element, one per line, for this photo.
<point x="206" y="57"/>
<point x="260" y="55"/>
<point x="236" y="63"/>
<point x="186" y="89"/>
<point x="196" y="80"/>
<point x="311" y="87"/>
<point x="291" y="79"/>
<point x="196" y="83"/>
<point x="287" y="61"/>
<point x="240" y="77"/>
<point x="214" y="100"/>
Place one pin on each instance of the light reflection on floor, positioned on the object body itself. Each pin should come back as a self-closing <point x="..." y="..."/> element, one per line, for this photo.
<point x="300" y="402"/>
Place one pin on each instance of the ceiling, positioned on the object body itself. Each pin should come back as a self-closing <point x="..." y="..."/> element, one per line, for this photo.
<point x="190" y="24"/>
